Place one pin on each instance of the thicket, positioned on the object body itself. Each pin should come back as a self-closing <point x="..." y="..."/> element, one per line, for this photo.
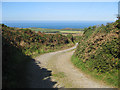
<point x="32" y="42"/>
<point x="17" y="47"/>
<point x="99" y="51"/>
<point x="14" y="64"/>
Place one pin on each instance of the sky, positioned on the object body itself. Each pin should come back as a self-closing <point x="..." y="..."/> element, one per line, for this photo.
<point x="59" y="0"/>
<point x="59" y="11"/>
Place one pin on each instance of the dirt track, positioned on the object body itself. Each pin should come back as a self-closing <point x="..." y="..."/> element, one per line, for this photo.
<point x="64" y="73"/>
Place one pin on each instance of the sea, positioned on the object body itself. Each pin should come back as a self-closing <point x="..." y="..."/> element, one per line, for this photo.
<point x="54" y="24"/>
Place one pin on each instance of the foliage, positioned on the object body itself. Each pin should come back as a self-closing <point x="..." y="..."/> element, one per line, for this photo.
<point x="13" y="66"/>
<point x="99" y="50"/>
<point x="17" y="47"/>
<point x="30" y="41"/>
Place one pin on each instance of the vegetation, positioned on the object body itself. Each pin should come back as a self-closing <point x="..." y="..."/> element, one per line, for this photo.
<point x="18" y="45"/>
<point x="98" y="52"/>
<point x="32" y="42"/>
<point x="72" y="32"/>
<point x="14" y="64"/>
<point x="59" y="75"/>
<point x="61" y="31"/>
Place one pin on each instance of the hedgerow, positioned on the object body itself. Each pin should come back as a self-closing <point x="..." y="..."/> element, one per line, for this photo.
<point x="99" y="49"/>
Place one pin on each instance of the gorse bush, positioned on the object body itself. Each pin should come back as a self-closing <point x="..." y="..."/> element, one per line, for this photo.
<point x="98" y="49"/>
<point x="17" y="47"/>
<point x="30" y="41"/>
<point x="13" y="66"/>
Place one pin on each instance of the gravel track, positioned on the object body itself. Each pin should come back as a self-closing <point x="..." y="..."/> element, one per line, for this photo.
<point x="55" y="70"/>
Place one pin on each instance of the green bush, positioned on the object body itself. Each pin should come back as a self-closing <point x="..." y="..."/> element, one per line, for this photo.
<point x="98" y="50"/>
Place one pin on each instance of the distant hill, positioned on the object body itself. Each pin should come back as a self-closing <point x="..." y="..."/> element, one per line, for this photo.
<point x="67" y="29"/>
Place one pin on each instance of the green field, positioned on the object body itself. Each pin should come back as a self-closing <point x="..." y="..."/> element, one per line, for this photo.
<point x="72" y="32"/>
<point x="62" y="31"/>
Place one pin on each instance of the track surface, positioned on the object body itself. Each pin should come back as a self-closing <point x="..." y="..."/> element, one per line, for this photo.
<point x="55" y="70"/>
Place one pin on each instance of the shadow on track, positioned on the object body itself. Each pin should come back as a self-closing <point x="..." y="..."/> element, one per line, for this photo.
<point x="38" y="77"/>
<point x="21" y="71"/>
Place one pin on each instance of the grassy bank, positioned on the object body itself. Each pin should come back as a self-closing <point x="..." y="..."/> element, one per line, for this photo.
<point x="14" y="64"/>
<point x="61" y="47"/>
<point x="19" y="46"/>
<point x="107" y="78"/>
<point x="98" y="52"/>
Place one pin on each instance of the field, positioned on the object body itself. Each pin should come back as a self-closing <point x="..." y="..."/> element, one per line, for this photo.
<point x="74" y="32"/>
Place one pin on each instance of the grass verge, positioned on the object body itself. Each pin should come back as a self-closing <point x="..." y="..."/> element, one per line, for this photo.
<point x="62" y="47"/>
<point x="107" y="78"/>
<point x="59" y="75"/>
